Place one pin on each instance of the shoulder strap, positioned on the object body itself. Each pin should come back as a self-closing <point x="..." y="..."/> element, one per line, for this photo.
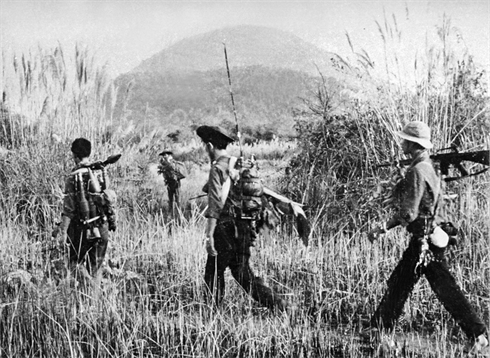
<point x="227" y="184"/>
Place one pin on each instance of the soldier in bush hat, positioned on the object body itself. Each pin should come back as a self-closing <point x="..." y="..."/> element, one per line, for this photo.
<point x="172" y="174"/>
<point x="419" y="211"/>
<point x="228" y="239"/>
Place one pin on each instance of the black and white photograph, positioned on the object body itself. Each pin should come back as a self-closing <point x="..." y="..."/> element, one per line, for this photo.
<point x="244" y="178"/>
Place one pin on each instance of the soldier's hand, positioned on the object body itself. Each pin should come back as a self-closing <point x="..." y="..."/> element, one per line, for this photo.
<point x="374" y="234"/>
<point x="210" y="247"/>
<point x="56" y="230"/>
<point x="61" y="239"/>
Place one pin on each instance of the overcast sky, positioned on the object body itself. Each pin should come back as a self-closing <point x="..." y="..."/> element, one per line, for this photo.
<point x="125" y="32"/>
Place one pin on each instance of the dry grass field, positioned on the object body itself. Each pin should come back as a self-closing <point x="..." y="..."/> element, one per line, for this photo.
<point x="149" y="301"/>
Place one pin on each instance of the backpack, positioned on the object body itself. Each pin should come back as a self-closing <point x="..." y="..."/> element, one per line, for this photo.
<point x="247" y="189"/>
<point x="95" y="202"/>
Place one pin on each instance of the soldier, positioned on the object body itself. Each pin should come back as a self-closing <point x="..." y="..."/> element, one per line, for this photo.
<point x="228" y="237"/>
<point x="172" y="177"/>
<point x="420" y="197"/>
<point x="83" y="243"/>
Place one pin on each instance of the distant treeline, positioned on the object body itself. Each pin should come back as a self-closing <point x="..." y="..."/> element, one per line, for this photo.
<point x="264" y="97"/>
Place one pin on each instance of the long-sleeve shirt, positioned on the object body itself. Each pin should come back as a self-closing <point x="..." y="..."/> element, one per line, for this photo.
<point x="171" y="174"/>
<point x="419" y="192"/>
<point x="218" y="175"/>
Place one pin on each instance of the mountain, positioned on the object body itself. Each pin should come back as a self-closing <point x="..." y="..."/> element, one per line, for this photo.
<point x="186" y="84"/>
<point x="246" y="46"/>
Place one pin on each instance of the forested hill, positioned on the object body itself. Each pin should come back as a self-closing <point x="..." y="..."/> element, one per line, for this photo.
<point x="187" y="84"/>
<point x="246" y="46"/>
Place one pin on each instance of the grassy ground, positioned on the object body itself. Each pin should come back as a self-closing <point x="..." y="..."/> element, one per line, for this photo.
<point x="149" y="300"/>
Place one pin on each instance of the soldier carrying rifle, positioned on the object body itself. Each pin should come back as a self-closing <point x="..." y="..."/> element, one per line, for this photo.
<point x="419" y="199"/>
<point x="172" y="176"/>
<point x="230" y="231"/>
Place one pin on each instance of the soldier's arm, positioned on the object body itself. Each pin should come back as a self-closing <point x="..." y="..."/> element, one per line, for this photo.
<point x="210" y="227"/>
<point x="69" y="205"/>
<point x="215" y="191"/>
<point x="411" y="196"/>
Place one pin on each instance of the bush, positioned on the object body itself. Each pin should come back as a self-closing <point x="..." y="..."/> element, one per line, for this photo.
<point x="343" y="138"/>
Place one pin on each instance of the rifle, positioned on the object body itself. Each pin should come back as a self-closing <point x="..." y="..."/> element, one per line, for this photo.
<point x="198" y="196"/>
<point x="288" y="206"/>
<point x="452" y="159"/>
<point x="169" y="172"/>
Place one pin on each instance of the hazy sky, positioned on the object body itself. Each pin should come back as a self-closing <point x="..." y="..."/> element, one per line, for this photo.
<point x="125" y="32"/>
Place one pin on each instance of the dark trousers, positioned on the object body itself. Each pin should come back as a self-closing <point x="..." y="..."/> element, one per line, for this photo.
<point x="233" y="247"/>
<point x="173" y="191"/>
<point x="403" y="280"/>
<point x="83" y="247"/>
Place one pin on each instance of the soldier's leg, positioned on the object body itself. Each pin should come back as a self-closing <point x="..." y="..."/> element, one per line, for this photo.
<point x="253" y="285"/>
<point x="214" y="273"/>
<point x="177" y="196"/>
<point x="400" y="284"/>
<point x="76" y="236"/>
<point x="97" y="251"/>
<point x="447" y="290"/>
<point x="170" y="191"/>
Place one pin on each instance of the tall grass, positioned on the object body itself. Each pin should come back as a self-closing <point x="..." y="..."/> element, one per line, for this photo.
<point x="346" y="132"/>
<point x="149" y="299"/>
<point x="49" y="92"/>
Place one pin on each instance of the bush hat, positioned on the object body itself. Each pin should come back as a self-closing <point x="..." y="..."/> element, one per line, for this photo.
<point x="166" y="152"/>
<point x="209" y="133"/>
<point x="417" y="132"/>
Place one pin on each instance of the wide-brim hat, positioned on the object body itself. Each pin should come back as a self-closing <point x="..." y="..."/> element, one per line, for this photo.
<point x="417" y="132"/>
<point x="211" y="133"/>
<point x="166" y="152"/>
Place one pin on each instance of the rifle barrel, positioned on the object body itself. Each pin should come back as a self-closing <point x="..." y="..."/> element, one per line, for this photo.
<point x="454" y="159"/>
<point x="481" y="157"/>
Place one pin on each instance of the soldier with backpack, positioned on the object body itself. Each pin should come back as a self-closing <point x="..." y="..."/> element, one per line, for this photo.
<point x="88" y="210"/>
<point x="231" y="218"/>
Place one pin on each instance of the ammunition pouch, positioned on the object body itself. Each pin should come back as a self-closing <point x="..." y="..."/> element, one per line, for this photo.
<point x="439" y="236"/>
<point x="251" y="205"/>
<point x="110" y="200"/>
<point x="98" y="199"/>
<point x="106" y="205"/>
<point x="449" y="228"/>
<point x="421" y="226"/>
<point x="452" y="231"/>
